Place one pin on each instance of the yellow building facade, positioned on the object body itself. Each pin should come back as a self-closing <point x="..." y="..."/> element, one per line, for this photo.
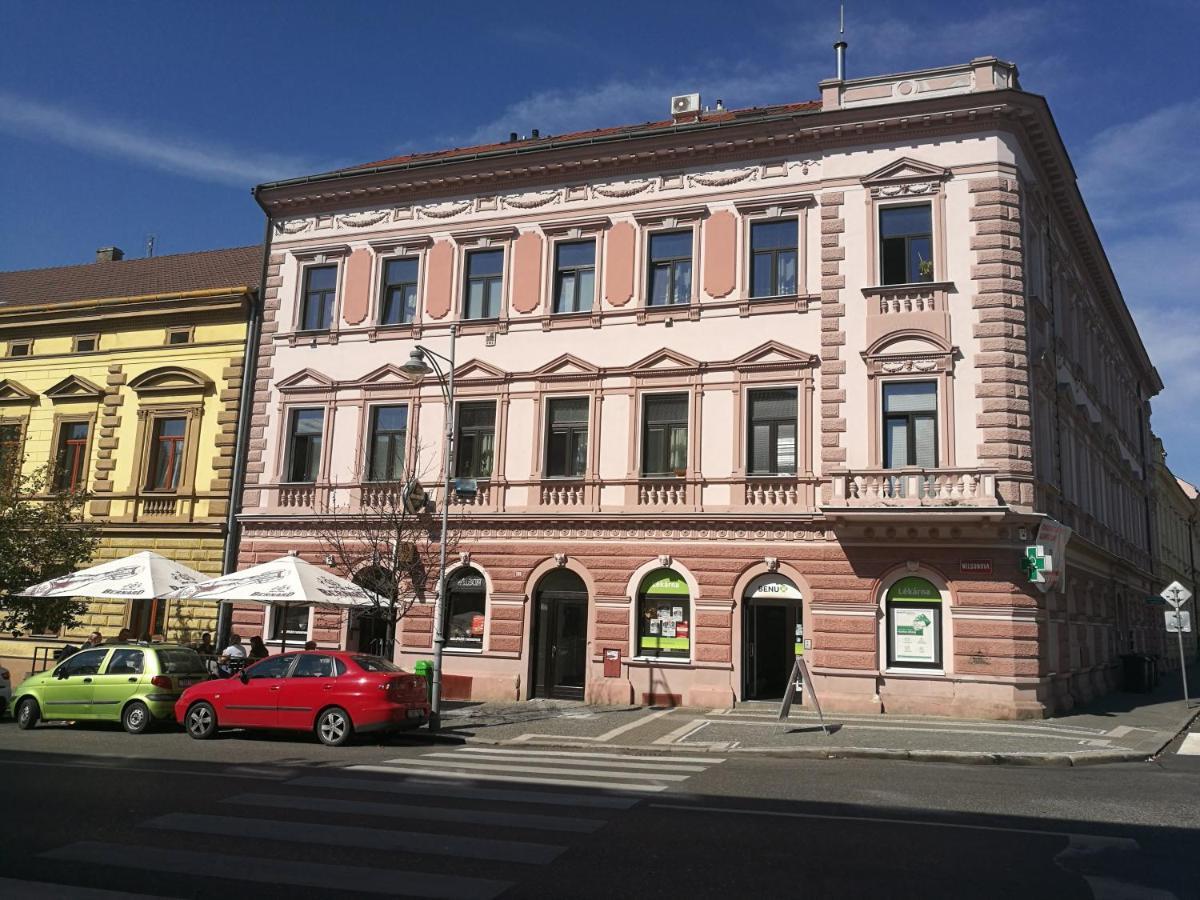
<point x="123" y="378"/>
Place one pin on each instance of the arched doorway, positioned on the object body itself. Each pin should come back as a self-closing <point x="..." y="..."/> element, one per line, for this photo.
<point x="559" y="636"/>
<point x="772" y="635"/>
<point x="371" y="625"/>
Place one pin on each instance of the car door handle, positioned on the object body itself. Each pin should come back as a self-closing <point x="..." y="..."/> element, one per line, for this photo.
<point x="329" y="687"/>
<point x="87" y="681"/>
<point x="276" y="687"/>
<point x="131" y="680"/>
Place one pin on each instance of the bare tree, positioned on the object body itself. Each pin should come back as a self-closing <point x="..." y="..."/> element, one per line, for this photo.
<point x="385" y="537"/>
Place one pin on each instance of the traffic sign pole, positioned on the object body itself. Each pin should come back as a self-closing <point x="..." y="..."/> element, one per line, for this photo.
<point x="1177" y="595"/>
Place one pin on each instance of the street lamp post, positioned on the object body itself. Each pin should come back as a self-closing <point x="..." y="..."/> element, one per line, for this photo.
<point x="423" y="361"/>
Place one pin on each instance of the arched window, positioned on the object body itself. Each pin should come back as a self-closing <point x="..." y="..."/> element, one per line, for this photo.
<point x="914" y="625"/>
<point x="664" y="616"/>
<point x="465" y="605"/>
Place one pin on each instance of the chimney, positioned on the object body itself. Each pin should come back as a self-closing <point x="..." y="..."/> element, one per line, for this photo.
<point x="109" y="254"/>
<point x="535" y="134"/>
<point x="512" y="137"/>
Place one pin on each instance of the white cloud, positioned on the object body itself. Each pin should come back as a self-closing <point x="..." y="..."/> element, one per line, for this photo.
<point x="204" y="161"/>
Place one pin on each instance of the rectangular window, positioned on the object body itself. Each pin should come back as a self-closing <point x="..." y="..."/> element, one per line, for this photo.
<point x="670" y="267"/>
<point x="465" y="611"/>
<point x="70" y="457"/>
<point x="910" y="424"/>
<point x="289" y="622"/>
<point x="304" y="445"/>
<point x="773" y="258"/>
<point x="85" y="343"/>
<point x="320" y="287"/>
<point x="772" y="432"/>
<point x="166" y="454"/>
<point x="476" y="439"/>
<point x="906" y="244"/>
<point x="398" y="298"/>
<point x="176" y="336"/>
<point x="10" y="448"/>
<point x="20" y="348"/>
<point x="485" y="283"/>
<point x="389" y="426"/>
<point x="566" y="437"/>
<point x="574" y="276"/>
<point x="665" y="435"/>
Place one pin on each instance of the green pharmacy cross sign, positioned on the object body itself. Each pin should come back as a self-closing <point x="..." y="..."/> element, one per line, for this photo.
<point x="1034" y="563"/>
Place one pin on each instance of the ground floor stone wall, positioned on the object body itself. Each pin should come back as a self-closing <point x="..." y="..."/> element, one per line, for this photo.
<point x="1004" y="648"/>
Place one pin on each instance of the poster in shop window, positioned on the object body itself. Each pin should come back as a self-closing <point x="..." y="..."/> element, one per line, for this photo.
<point x="914" y="634"/>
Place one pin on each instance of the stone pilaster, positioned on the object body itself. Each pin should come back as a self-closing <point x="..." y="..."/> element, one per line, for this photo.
<point x="833" y="337"/>
<point x="107" y="440"/>
<point x="1001" y="329"/>
<point x="260" y="389"/>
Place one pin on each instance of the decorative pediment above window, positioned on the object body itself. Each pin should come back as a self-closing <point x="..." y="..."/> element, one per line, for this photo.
<point x="774" y="355"/>
<point x="389" y="376"/>
<point x="672" y="217"/>
<point x="321" y="254"/>
<point x="774" y="207"/>
<point x="14" y="392"/>
<point x="75" y="388"/>
<point x="306" y="380"/>
<point x="665" y="361"/>
<point x="910" y="353"/>
<point x="477" y="370"/>
<point x="485" y="236"/>
<point x="905" y="177"/>
<point x="566" y="366"/>
<point x="170" y="380"/>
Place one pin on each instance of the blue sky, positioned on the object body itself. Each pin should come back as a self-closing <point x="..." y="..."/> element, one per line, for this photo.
<point x="122" y="120"/>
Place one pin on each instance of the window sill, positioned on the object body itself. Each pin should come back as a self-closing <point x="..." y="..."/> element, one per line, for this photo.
<point x="689" y="310"/>
<point x="463" y="651"/>
<point x="908" y="287"/>
<point x="656" y="661"/>
<point x="914" y="673"/>
<point x="312" y="338"/>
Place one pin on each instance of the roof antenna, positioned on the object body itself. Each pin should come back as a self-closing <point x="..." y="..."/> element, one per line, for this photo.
<point x="150" y="239"/>
<point x="841" y="45"/>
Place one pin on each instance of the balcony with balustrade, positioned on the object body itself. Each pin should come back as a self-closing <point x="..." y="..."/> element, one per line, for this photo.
<point x="869" y="493"/>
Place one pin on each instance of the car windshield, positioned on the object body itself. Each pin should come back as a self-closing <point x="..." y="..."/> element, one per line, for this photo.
<point x="180" y="662"/>
<point x="375" y="664"/>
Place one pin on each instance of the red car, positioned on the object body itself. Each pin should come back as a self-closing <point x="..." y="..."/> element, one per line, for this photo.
<point x="333" y="693"/>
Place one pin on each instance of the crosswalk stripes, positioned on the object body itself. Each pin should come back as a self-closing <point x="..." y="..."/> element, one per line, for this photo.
<point x="1190" y="745"/>
<point x="555" y="768"/>
<point x="463" y="824"/>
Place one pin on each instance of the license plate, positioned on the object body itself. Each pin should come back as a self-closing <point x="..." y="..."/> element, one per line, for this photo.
<point x="416" y="714"/>
<point x="186" y="682"/>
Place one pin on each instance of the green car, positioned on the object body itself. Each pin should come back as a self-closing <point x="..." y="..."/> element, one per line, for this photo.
<point x="133" y="684"/>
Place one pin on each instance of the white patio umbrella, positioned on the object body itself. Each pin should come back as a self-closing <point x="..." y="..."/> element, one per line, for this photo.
<point x="285" y="582"/>
<point x="141" y="576"/>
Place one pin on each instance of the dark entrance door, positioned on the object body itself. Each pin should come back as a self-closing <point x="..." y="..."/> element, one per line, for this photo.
<point x="560" y="636"/>
<point x="768" y="650"/>
<point x="373" y="633"/>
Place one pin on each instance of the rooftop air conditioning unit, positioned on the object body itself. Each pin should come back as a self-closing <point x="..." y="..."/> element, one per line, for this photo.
<point x="685" y="105"/>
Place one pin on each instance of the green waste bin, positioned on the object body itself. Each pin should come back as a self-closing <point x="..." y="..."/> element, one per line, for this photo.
<point x="424" y="668"/>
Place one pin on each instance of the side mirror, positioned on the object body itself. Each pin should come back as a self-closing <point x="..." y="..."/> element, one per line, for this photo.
<point x="244" y="677"/>
<point x="60" y="673"/>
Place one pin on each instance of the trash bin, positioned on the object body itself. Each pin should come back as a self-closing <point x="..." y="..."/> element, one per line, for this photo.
<point x="424" y="668"/>
<point x="1134" y="674"/>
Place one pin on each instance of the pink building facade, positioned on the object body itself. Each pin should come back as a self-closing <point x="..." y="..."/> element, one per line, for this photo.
<point x="730" y="387"/>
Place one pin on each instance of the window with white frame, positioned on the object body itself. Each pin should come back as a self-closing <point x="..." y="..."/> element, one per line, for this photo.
<point x="906" y="244"/>
<point x="566" y="437"/>
<point x="385" y="454"/>
<point x="574" y="276"/>
<point x="771" y="431"/>
<point x="665" y="435"/>
<point x="484" y="284"/>
<point x="398" y="293"/>
<point x="773" y="257"/>
<point x="320" y="289"/>
<point x="669" y="264"/>
<point x="305" y="427"/>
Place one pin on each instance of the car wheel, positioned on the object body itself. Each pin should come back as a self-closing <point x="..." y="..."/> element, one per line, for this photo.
<point x="136" y="718"/>
<point x="201" y="721"/>
<point x="334" y="727"/>
<point x="28" y="713"/>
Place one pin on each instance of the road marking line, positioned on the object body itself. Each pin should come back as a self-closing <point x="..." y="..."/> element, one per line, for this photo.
<point x="1073" y="738"/>
<point x="665" y="765"/>
<point x="584" y="754"/>
<point x="282" y="871"/>
<point x="441" y="790"/>
<point x="357" y="836"/>
<point x="422" y="812"/>
<point x="1190" y="745"/>
<point x="15" y="889"/>
<point x="484" y="767"/>
<point x="1121" y="843"/>
<point x="277" y="776"/>
<point x="518" y="779"/>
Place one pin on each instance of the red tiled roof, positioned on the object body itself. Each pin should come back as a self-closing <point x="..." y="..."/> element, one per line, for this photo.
<point x="721" y="117"/>
<point x="181" y="273"/>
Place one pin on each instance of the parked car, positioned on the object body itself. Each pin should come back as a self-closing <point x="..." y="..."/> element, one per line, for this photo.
<point x="5" y="690"/>
<point x="134" y="684"/>
<point x="332" y="693"/>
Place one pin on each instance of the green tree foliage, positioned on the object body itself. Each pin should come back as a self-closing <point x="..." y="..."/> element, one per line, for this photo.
<point x="42" y="536"/>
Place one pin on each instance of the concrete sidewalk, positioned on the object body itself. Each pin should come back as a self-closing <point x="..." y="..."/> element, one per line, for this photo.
<point x="1118" y="728"/>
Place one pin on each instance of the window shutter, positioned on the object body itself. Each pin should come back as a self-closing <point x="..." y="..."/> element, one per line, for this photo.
<point x="773" y="404"/>
<point x="925" y="441"/>
<point x="910" y="396"/>
<point x="662" y="410"/>
<point x="571" y="411"/>
<point x="760" y="449"/>
<point x="897" y="443"/>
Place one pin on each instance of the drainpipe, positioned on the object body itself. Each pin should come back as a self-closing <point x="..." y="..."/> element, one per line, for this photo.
<point x="237" y="478"/>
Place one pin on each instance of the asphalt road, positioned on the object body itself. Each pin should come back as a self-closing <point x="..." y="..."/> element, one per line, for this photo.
<point x="93" y="809"/>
